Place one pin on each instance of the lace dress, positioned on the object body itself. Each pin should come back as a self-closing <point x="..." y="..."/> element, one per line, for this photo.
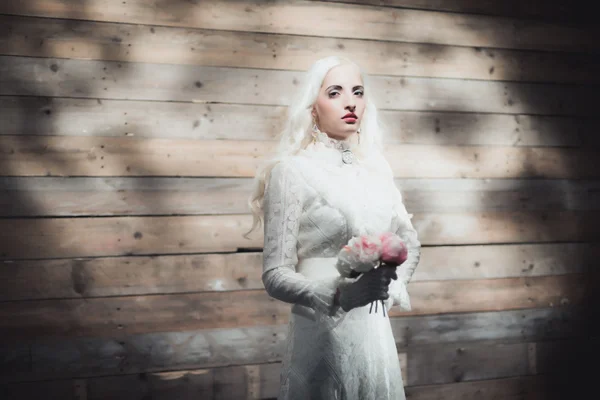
<point x="314" y="203"/>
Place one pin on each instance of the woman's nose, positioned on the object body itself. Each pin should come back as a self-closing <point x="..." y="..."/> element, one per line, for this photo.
<point x="350" y="103"/>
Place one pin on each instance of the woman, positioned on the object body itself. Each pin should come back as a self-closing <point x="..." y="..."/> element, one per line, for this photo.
<point x="328" y="183"/>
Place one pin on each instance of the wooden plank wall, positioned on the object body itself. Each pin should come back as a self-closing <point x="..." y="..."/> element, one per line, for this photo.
<point x="129" y="131"/>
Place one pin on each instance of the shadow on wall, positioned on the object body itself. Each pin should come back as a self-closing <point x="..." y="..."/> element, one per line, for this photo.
<point x="567" y="368"/>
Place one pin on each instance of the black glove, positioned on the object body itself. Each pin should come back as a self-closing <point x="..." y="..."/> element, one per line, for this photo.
<point x="371" y="286"/>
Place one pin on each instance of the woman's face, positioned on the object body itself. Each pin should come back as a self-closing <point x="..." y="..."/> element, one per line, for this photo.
<point x="340" y="104"/>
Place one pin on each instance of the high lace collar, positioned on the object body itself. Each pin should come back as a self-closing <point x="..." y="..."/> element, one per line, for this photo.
<point x="332" y="143"/>
<point x="339" y="151"/>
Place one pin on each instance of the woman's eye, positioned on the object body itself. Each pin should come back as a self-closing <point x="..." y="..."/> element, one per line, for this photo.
<point x="359" y="93"/>
<point x="332" y="94"/>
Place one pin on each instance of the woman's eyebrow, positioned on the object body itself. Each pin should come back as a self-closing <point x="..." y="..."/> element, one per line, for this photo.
<point x="338" y="87"/>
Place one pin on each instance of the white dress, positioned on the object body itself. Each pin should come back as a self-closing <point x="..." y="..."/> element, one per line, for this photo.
<point x="314" y="203"/>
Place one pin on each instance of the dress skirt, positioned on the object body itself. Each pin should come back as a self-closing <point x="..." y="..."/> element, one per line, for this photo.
<point x="350" y="356"/>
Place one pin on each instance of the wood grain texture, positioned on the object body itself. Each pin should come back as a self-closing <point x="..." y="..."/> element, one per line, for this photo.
<point x="53" y="238"/>
<point x="137" y="196"/>
<point x="231" y="383"/>
<point x="323" y="19"/>
<point x="97" y="156"/>
<point x="117" y="236"/>
<point x="463" y="362"/>
<point x="125" y="276"/>
<point x="522" y="388"/>
<point x="75" y="196"/>
<point x="136" y="353"/>
<point x="35" y="37"/>
<point x="27" y="76"/>
<point x="459" y="362"/>
<point x="49" y="116"/>
<point x="112" y="156"/>
<point x="552" y="10"/>
<point x="144" y="353"/>
<point x="130" y="275"/>
<point x="248" y="382"/>
<point x="104" y="317"/>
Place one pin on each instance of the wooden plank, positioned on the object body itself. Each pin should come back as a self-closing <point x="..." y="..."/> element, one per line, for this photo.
<point x="438" y="297"/>
<point x="76" y="278"/>
<point x="111" y="156"/>
<point x="500" y="261"/>
<point x="125" y="276"/>
<point x="78" y="196"/>
<point x="117" y="236"/>
<point x="451" y="195"/>
<point x="466" y="362"/>
<point x="324" y="19"/>
<point x="460" y="362"/>
<point x="515" y="325"/>
<point x="251" y="382"/>
<point x="53" y="238"/>
<point x="34" y="37"/>
<point x="522" y="388"/>
<point x="509" y="227"/>
<point x="227" y="383"/>
<point x="186" y="385"/>
<point x="487" y="129"/>
<point x="86" y="117"/>
<point x="97" y="156"/>
<point x="27" y="76"/>
<point x="75" y="196"/>
<point x="102" y="317"/>
<point x="435" y="364"/>
<point x="540" y="387"/>
<point x="470" y="162"/>
<point x="144" y="353"/>
<point x="118" y="118"/>
<point x="553" y="10"/>
<point x="126" y="354"/>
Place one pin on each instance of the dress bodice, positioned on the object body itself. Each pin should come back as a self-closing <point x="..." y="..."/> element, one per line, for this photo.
<point x="338" y="200"/>
<point x="314" y="203"/>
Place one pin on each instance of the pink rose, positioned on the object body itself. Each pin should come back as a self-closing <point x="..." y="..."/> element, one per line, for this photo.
<point x="361" y="254"/>
<point x="367" y="248"/>
<point x="393" y="249"/>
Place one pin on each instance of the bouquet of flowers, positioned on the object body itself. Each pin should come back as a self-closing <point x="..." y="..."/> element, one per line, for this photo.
<point x="363" y="253"/>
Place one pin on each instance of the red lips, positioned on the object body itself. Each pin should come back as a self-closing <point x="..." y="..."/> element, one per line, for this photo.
<point x="350" y="115"/>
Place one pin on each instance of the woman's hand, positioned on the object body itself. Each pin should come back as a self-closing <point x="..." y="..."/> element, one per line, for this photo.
<point x="371" y="286"/>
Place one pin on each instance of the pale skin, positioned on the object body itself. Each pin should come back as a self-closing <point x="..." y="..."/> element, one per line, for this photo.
<point x="341" y="94"/>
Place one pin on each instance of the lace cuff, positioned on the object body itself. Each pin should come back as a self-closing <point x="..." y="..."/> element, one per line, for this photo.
<point x="398" y="295"/>
<point x="282" y="206"/>
<point x="283" y="283"/>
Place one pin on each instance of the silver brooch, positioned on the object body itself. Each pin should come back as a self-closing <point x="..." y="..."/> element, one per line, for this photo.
<point x="347" y="157"/>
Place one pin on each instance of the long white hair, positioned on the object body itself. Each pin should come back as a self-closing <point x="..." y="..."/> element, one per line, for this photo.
<point x="296" y="134"/>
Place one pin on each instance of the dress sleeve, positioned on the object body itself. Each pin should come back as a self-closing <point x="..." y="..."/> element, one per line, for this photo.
<point x="283" y="206"/>
<point x="407" y="232"/>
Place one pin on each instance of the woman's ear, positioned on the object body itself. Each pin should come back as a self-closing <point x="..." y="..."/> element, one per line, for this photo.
<point x="313" y="112"/>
